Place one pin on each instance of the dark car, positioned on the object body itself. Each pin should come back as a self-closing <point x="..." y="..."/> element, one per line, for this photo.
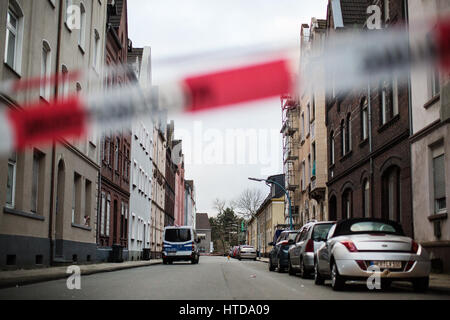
<point x="278" y="256"/>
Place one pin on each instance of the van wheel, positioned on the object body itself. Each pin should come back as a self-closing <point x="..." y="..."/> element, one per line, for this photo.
<point x="170" y="262"/>
<point x="271" y="266"/>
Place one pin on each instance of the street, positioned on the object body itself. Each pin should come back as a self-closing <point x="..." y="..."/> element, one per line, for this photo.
<point x="214" y="278"/>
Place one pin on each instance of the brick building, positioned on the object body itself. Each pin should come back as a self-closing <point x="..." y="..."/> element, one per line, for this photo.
<point x="114" y="191"/>
<point x="369" y="172"/>
<point x="169" y="205"/>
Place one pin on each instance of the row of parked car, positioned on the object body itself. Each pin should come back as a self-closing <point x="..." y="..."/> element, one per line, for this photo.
<point x="243" y="252"/>
<point x="351" y="249"/>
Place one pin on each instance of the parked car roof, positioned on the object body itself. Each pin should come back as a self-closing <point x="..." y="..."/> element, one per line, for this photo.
<point x="343" y="227"/>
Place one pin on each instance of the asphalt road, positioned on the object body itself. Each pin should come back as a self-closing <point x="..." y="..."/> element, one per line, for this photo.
<point x="213" y="278"/>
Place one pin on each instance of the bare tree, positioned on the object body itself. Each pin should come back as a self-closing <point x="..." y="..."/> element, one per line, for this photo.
<point x="248" y="202"/>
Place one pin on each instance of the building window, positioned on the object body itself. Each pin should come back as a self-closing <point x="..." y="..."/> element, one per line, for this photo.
<point x="347" y="204"/>
<point x="303" y="127"/>
<point x="386" y="10"/>
<point x="391" y="194"/>
<point x="332" y="158"/>
<point x="88" y="203"/>
<point x="82" y="34"/>
<point x="434" y="82"/>
<point x="313" y="173"/>
<point x="45" y="70"/>
<point x="108" y="212"/>
<point x="14" y="32"/>
<point x="343" y="138"/>
<point x="96" y="52"/>
<point x="78" y="88"/>
<point x="364" y="119"/>
<point x="36" y="182"/>
<point x="440" y="201"/>
<point x="102" y="222"/>
<point x="385" y="111"/>
<point x="64" y="82"/>
<point x="366" y="198"/>
<point x="116" y="154"/>
<point x="11" y="180"/>
<point x="76" y="198"/>
<point x="348" y="135"/>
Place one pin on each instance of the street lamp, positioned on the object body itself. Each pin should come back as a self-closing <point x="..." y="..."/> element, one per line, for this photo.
<point x="282" y="188"/>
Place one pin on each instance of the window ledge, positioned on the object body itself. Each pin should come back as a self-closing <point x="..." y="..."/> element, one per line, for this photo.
<point x="23" y="214"/>
<point x="363" y="142"/>
<point x="432" y="101"/>
<point x="438" y="216"/>
<point x="389" y="123"/>
<point x="12" y="69"/>
<point x="346" y="156"/>
<point x="79" y="226"/>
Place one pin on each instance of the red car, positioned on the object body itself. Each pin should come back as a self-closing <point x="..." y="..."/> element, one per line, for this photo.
<point x="235" y="251"/>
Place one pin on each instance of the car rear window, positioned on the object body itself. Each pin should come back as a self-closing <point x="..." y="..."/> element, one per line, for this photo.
<point x="292" y="235"/>
<point x="178" y="235"/>
<point x="371" y="226"/>
<point x="321" y="231"/>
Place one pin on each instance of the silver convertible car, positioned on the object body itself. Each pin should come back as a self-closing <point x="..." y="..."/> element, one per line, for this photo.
<point x="356" y="248"/>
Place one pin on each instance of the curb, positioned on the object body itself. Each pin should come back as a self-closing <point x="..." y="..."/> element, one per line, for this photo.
<point x="59" y="274"/>
<point x="439" y="290"/>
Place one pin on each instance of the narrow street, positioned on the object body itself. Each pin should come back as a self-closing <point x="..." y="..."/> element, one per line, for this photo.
<point x="213" y="278"/>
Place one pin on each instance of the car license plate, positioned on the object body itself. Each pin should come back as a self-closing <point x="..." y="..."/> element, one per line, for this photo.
<point x="171" y="253"/>
<point x="388" y="264"/>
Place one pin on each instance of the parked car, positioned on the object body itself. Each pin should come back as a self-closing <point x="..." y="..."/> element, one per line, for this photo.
<point x="246" y="252"/>
<point x="308" y="240"/>
<point x="278" y="256"/>
<point x="354" y="246"/>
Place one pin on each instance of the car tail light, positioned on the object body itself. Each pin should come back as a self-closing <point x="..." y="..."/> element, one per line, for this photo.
<point x="414" y="247"/>
<point x="284" y="242"/>
<point x="309" y="246"/>
<point x="361" y="264"/>
<point x="350" y="246"/>
<point x="409" y="265"/>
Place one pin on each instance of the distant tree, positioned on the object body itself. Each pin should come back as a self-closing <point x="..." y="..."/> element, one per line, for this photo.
<point x="225" y="226"/>
<point x="248" y="202"/>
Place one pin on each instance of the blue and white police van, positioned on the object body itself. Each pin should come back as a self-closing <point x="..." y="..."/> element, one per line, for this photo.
<point x="180" y="244"/>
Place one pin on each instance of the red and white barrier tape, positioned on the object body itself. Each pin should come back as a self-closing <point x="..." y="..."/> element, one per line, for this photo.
<point x="41" y="123"/>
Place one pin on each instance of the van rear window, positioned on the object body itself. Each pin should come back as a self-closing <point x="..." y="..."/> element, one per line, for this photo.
<point x="178" y="235"/>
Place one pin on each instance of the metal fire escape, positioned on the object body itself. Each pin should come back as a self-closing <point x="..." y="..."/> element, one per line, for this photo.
<point x="290" y="122"/>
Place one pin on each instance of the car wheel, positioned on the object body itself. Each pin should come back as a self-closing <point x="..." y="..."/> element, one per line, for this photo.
<point x="291" y="270"/>
<point x="304" y="273"/>
<point x="271" y="266"/>
<point x="240" y="258"/>
<point x="421" y="284"/>
<point x="337" y="282"/>
<point x="170" y="262"/>
<point x="280" y="269"/>
<point x="318" y="279"/>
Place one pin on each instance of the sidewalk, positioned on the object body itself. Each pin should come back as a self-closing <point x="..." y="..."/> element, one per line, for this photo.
<point x="22" y="277"/>
<point x="439" y="282"/>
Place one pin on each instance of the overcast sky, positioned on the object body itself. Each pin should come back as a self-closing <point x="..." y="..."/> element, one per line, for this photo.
<point x="215" y="160"/>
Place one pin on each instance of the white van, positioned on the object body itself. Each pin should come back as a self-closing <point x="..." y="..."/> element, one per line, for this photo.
<point x="180" y="244"/>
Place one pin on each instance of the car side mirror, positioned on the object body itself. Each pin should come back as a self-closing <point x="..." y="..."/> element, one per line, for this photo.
<point x="270" y="244"/>
<point x="291" y="241"/>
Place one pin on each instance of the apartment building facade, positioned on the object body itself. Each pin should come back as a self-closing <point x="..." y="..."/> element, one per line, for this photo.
<point x="179" y="182"/>
<point x="189" y="203"/>
<point x="49" y="209"/>
<point x="430" y="147"/>
<point x="114" y="192"/>
<point x="158" y="181"/>
<point x="139" y="234"/>
<point x="169" y="205"/>
<point x="369" y="162"/>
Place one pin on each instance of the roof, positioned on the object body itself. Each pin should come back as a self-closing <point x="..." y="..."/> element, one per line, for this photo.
<point x="202" y="221"/>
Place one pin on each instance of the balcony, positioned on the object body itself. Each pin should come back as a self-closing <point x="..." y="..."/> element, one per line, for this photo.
<point x="289" y="128"/>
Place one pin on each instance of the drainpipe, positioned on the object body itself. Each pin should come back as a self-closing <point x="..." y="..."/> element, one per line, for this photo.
<point x="369" y="111"/>
<point x="411" y="132"/>
<point x="52" y="184"/>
